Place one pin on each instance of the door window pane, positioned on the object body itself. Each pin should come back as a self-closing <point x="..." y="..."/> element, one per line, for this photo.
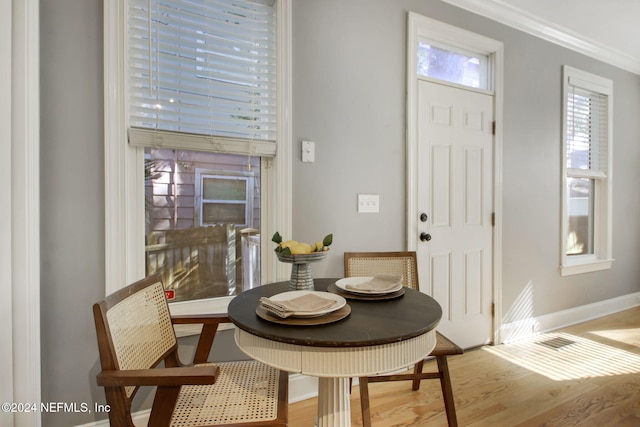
<point x="202" y="222"/>
<point x="456" y="66"/>
<point x="580" y="236"/>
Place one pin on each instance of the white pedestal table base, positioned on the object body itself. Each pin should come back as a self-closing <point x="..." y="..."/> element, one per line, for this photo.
<point x="334" y="407"/>
<point x="335" y="365"/>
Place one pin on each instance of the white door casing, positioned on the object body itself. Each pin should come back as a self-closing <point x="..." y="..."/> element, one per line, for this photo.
<point x="455" y="155"/>
<point x="421" y="27"/>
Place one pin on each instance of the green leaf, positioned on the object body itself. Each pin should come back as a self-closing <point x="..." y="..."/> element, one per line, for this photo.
<point x="328" y="240"/>
<point x="286" y="251"/>
<point x="277" y="238"/>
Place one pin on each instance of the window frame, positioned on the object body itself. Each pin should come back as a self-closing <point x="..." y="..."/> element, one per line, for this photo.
<point x="124" y="166"/>
<point x="602" y="256"/>
<point x="202" y="174"/>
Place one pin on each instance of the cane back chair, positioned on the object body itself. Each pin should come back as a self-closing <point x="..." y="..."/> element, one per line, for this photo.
<point x="405" y="264"/>
<point x="135" y="333"/>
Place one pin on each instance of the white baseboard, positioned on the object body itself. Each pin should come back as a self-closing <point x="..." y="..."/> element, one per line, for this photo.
<point x="524" y="328"/>
<point x="301" y="387"/>
<point x="140" y="419"/>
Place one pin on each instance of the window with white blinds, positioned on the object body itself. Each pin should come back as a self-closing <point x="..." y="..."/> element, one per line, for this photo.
<point x="202" y="75"/>
<point x="586" y="207"/>
<point x="587" y="131"/>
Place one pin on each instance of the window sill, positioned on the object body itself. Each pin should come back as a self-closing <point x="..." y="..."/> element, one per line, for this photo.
<point x="211" y="305"/>
<point x="585" y="266"/>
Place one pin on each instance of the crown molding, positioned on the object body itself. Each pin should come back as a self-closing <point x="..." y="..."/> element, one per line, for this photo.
<point x="502" y="12"/>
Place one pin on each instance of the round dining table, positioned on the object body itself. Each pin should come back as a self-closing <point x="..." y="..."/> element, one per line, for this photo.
<point x="377" y="336"/>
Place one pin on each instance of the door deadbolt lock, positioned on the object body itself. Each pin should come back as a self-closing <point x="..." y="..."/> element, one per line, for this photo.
<point x="425" y="237"/>
<point x="423" y="217"/>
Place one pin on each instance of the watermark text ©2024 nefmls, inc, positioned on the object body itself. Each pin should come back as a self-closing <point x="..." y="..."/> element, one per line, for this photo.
<point x="53" y="407"/>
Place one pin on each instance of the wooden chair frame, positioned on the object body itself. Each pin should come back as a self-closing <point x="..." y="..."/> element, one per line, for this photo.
<point x="170" y="379"/>
<point x="444" y="347"/>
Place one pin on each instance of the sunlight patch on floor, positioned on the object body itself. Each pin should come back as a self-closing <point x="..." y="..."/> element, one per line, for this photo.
<point x="626" y="336"/>
<point x="562" y="356"/>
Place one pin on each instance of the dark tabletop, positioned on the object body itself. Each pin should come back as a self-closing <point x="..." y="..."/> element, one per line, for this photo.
<point x="370" y="322"/>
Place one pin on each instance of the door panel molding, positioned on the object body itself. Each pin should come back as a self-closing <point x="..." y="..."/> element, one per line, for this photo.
<point x="440" y="269"/>
<point x="441" y="186"/>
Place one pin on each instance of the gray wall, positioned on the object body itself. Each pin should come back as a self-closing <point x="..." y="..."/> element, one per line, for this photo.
<point x="349" y="97"/>
<point x="72" y="201"/>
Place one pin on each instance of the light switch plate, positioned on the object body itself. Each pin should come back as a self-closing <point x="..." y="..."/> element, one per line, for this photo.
<point x="308" y="151"/>
<point x="368" y="203"/>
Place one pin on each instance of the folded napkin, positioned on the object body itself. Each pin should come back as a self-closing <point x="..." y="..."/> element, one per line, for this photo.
<point x="378" y="283"/>
<point x="306" y="304"/>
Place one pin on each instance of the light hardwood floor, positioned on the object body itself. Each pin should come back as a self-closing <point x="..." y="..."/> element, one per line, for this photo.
<point x="583" y="375"/>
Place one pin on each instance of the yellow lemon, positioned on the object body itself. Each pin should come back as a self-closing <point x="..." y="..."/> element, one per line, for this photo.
<point x="300" y="248"/>
<point x="288" y="244"/>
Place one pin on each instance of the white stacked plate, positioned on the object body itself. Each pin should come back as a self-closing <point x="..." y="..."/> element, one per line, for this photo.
<point x="343" y="284"/>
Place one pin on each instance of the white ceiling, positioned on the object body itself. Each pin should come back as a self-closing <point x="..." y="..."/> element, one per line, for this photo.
<point x="613" y="23"/>
<point x="605" y="29"/>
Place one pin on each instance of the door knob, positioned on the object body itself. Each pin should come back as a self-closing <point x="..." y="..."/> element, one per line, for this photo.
<point x="423" y="217"/>
<point x="425" y="237"/>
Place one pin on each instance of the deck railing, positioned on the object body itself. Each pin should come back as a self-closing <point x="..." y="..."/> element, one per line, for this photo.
<point x="197" y="262"/>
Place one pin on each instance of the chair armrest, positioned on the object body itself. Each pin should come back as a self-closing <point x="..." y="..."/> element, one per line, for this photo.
<point x="206" y="319"/>
<point x="210" y="324"/>
<point x="192" y="375"/>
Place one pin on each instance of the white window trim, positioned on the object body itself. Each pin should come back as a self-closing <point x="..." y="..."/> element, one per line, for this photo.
<point x="6" y="216"/>
<point x="124" y="170"/>
<point x="602" y="258"/>
<point x="20" y="161"/>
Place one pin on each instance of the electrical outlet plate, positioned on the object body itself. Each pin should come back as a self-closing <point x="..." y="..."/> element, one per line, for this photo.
<point x="368" y="203"/>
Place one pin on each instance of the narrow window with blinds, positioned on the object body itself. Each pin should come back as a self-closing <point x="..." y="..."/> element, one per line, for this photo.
<point x="587" y="172"/>
<point x="202" y="103"/>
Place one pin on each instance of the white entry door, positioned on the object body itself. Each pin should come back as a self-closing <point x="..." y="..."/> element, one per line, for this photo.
<point x="455" y="203"/>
